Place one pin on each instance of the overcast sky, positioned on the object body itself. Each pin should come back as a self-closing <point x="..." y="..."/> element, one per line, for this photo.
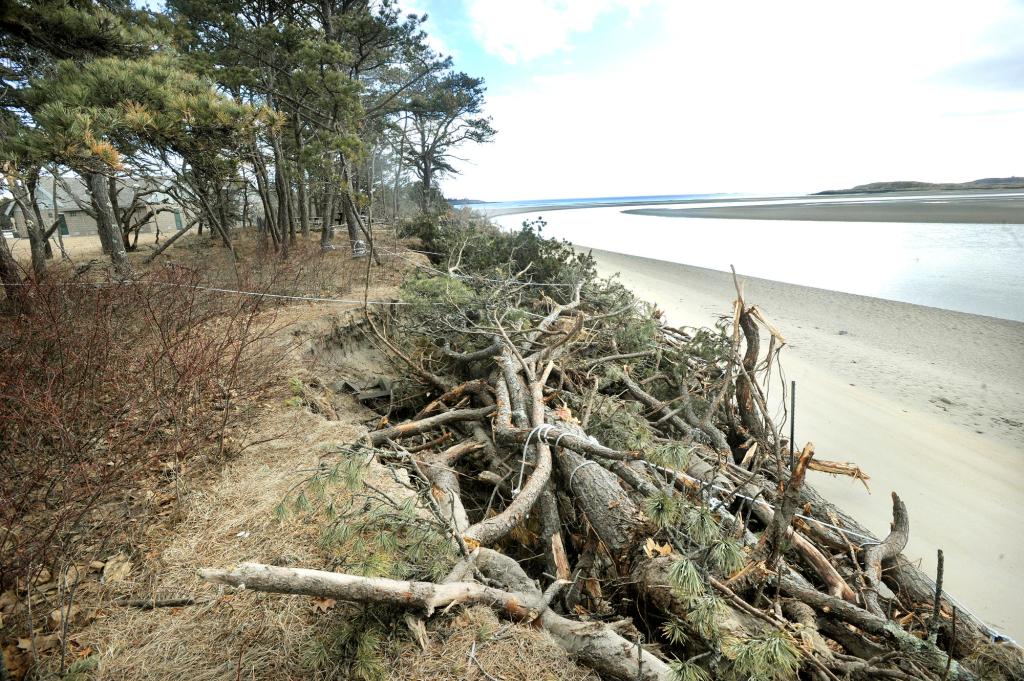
<point x="644" y="97"/>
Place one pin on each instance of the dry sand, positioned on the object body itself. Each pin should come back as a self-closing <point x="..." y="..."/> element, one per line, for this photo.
<point x="928" y="402"/>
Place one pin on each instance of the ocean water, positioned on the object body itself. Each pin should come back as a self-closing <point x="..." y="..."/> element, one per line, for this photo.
<point x="491" y="207"/>
<point x="973" y="268"/>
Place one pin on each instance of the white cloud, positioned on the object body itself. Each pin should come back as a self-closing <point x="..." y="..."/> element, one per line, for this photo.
<point x="526" y="29"/>
<point x="760" y="97"/>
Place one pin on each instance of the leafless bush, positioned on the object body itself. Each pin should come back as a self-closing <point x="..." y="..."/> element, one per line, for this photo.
<point x="107" y="387"/>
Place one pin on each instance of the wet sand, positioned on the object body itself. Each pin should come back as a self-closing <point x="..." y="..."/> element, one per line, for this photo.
<point x="979" y="208"/>
<point x="928" y="402"/>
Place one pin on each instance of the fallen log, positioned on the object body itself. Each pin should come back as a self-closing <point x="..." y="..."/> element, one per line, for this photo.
<point x="887" y="549"/>
<point x="593" y="643"/>
<point x="901" y="575"/>
<point x="403" y="430"/>
<point x="935" y="659"/>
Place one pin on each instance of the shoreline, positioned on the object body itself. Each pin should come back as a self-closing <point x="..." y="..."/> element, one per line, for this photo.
<point x="991" y="210"/>
<point x="901" y="390"/>
<point x="794" y="200"/>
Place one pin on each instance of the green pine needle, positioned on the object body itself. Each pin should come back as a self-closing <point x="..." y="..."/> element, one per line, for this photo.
<point x="727" y="556"/>
<point x="771" y="657"/>
<point x="684" y="670"/>
<point x="704" y="615"/>
<point x="663" y="509"/>
<point x="675" y="631"/>
<point x="702" y="526"/>
<point x="686" y="579"/>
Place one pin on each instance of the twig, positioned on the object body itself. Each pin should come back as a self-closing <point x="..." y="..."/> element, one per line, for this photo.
<point x="933" y="622"/>
<point x="151" y="604"/>
<point x="473" y="658"/>
<point x="949" y="653"/>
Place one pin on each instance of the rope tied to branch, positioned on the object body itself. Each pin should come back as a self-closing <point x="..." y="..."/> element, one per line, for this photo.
<point x="539" y="431"/>
<point x="573" y="474"/>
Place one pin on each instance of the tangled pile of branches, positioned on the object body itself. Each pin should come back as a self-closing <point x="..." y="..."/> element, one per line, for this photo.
<point x="622" y="484"/>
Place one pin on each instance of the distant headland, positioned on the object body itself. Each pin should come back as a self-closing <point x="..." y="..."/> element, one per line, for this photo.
<point x="910" y="186"/>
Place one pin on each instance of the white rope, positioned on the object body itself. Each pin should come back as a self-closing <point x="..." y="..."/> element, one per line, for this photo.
<point x="311" y="299"/>
<point x="542" y="428"/>
<point x="573" y="474"/>
<point x="213" y="289"/>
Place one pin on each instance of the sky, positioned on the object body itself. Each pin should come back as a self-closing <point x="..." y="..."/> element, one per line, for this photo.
<point x="649" y="97"/>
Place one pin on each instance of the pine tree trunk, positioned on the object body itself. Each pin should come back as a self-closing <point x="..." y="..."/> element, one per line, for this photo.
<point x="23" y="199"/>
<point x="428" y="179"/>
<point x="120" y="219"/>
<point x="40" y="222"/>
<point x="106" y="224"/>
<point x="281" y="189"/>
<point x="327" y="221"/>
<point x="263" y="187"/>
<point x="56" y="218"/>
<point x="300" y="179"/>
<point x="10" y="278"/>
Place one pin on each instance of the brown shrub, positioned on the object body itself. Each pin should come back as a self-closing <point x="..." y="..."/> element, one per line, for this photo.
<point x="106" y="385"/>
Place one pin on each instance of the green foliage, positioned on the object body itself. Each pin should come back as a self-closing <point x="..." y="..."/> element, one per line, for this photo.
<point x="427" y="295"/>
<point x="637" y="332"/>
<point x="686" y="579"/>
<point x="701" y="525"/>
<point x="704" y="615"/>
<point x="366" y="533"/>
<point x="674" y="455"/>
<point x="620" y="424"/>
<point x="82" y="669"/>
<point x="726" y="556"/>
<point x="367" y="663"/>
<point x="112" y="106"/>
<point x="675" y="631"/>
<point x="714" y="345"/>
<point x="77" y="30"/>
<point x="664" y="509"/>
<point x="354" y="644"/>
<point x="773" y="656"/>
<point x="684" y="670"/>
<point x="483" y="250"/>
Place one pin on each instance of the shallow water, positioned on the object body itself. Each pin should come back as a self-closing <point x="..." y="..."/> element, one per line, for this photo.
<point x="974" y="268"/>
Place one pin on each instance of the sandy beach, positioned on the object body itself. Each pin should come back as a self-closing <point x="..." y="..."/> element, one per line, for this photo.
<point x="928" y="402"/>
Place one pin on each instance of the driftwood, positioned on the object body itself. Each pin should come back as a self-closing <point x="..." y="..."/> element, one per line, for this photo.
<point x="653" y="519"/>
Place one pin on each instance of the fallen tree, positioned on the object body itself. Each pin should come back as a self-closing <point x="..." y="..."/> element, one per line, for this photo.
<point x="620" y="483"/>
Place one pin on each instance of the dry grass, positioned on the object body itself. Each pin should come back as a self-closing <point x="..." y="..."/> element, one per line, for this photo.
<point x="257" y="635"/>
<point x="306" y="271"/>
<point x="78" y="247"/>
<point x="511" y="652"/>
<point x="244" y="635"/>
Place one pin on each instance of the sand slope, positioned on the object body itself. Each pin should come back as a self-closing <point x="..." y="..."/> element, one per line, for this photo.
<point x="928" y="402"/>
